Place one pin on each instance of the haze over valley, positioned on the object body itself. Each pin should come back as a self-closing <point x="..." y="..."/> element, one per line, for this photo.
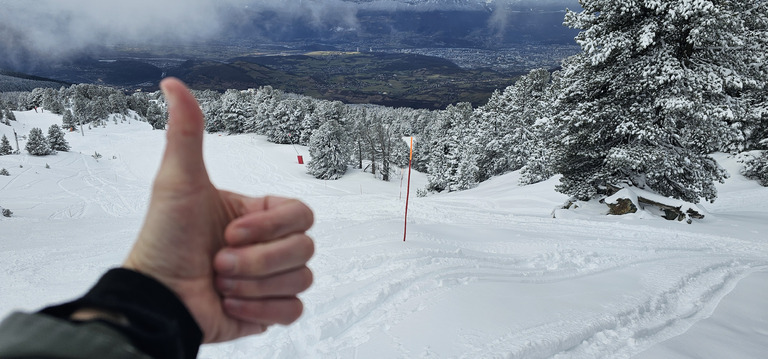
<point x="488" y="43"/>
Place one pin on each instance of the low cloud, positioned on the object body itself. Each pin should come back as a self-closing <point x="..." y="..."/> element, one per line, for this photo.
<point x="52" y="29"/>
<point x="59" y="28"/>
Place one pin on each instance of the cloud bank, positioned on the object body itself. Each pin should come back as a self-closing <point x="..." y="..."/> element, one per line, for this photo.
<point x="50" y="29"/>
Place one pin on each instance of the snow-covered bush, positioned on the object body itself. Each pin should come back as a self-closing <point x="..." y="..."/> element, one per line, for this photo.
<point x="4" y="172"/>
<point x="6" y="212"/>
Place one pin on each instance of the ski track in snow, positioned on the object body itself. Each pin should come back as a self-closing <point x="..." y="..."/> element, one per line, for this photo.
<point x="486" y="273"/>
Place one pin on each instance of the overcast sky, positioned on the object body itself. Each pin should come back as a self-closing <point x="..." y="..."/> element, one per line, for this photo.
<point x="61" y="27"/>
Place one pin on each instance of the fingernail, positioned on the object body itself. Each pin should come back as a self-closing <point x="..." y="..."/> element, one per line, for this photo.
<point x="227" y="262"/>
<point x="170" y="96"/>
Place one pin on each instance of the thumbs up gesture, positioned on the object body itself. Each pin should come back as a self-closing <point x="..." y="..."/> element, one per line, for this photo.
<point x="236" y="262"/>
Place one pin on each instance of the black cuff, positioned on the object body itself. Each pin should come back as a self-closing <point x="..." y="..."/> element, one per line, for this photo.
<point x="160" y="324"/>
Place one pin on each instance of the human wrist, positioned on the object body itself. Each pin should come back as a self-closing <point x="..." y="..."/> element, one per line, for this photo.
<point x="158" y="322"/>
<point x="91" y="314"/>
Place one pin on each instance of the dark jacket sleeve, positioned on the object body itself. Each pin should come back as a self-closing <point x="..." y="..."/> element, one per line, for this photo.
<point x="160" y="325"/>
<point x="38" y="336"/>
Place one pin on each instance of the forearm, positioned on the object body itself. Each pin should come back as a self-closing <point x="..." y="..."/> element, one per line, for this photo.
<point x="143" y="312"/>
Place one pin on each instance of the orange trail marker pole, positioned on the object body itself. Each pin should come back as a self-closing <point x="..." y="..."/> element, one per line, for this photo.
<point x="408" y="192"/>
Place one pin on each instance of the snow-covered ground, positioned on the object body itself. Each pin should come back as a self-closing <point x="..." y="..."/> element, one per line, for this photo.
<point x="484" y="273"/>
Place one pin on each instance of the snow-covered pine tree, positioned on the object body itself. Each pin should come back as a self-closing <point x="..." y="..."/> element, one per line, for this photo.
<point x="357" y="128"/>
<point x="80" y="108"/>
<point x="652" y="94"/>
<point x="9" y="115"/>
<point x="541" y="156"/>
<point x="99" y="110"/>
<point x="212" y="113"/>
<point x="422" y="149"/>
<point x="55" y="107"/>
<point x="5" y="146"/>
<point x="233" y="111"/>
<point x="322" y="111"/>
<point x="285" y="122"/>
<point x="52" y="102"/>
<point x="382" y="141"/>
<point x="454" y="150"/>
<point x="68" y="121"/>
<point x="35" y="98"/>
<point x="330" y="151"/>
<point x="748" y="57"/>
<point x="37" y="144"/>
<point x="264" y="103"/>
<point x="156" y="116"/>
<point x="756" y="168"/>
<point x="56" y="139"/>
<point x="118" y="104"/>
<point x="305" y="120"/>
<point x="138" y="102"/>
<point x="506" y="124"/>
<point x="211" y="106"/>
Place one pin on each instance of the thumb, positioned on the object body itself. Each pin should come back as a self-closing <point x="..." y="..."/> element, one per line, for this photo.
<point x="183" y="158"/>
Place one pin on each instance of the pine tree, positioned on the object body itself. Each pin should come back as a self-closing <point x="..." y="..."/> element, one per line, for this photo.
<point x="541" y="156"/>
<point x="330" y="151"/>
<point x="118" y="104"/>
<point x="5" y="146"/>
<point x="507" y="121"/>
<point x="156" y="117"/>
<point x="99" y="110"/>
<point x="233" y="111"/>
<point x="454" y="150"/>
<point x="56" y="139"/>
<point x="37" y="144"/>
<point x="213" y="118"/>
<point x="286" y="122"/>
<point x="55" y="107"/>
<point x="654" y="92"/>
<point x="9" y="115"/>
<point x="68" y="121"/>
<point x="756" y="168"/>
<point x="322" y="112"/>
<point x="81" y="109"/>
<point x="139" y="103"/>
<point x="52" y="102"/>
<point x="264" y="104"/>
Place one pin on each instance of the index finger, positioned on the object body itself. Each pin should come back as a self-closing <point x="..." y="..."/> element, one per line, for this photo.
<point x="277" y="218"/>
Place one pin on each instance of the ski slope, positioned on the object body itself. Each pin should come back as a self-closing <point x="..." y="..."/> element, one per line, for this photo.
<point x="485" y="273"/>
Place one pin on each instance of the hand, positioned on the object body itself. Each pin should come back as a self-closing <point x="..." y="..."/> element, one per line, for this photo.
<point x="236" y="262"/>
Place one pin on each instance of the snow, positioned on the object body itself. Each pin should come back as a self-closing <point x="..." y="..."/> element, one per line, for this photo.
<point x="484" y="273"/>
